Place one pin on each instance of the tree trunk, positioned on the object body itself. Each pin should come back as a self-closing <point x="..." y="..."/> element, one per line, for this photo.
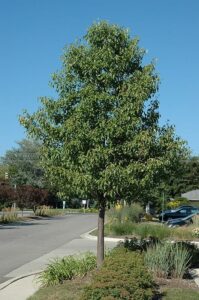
<point x="100" y="237"/>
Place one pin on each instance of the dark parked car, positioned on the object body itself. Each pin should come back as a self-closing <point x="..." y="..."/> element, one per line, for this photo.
<point x="179" y="213"/>
<point x="181" y="222"/>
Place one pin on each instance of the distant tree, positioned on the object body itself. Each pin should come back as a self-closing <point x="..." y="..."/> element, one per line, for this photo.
<point x="3" y="172"/>
<point x="186" y="177"/>
<point x="31" y="197"/>
<point x="6" y="196"/>
<point x="101" y="138"/>
<point x="24" y="164"/>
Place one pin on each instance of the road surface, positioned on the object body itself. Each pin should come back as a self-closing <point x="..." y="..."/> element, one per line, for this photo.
<point x="24" y="242"/>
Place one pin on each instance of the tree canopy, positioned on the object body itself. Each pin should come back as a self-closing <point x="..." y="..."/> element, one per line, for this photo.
<point x="101" y="137"/>
<point x="23" y="164"/>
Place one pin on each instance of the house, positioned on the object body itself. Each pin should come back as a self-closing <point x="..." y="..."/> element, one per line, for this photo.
<point x="192" y="196"/>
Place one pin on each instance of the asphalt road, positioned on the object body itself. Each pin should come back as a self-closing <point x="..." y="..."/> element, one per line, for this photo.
<point x="24" y="242"/>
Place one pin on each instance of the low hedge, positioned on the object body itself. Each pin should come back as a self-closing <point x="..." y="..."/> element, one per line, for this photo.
<point x="122" y="276"/>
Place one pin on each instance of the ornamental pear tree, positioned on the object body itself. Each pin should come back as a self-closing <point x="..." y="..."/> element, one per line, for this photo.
<point x="101" y="136"/>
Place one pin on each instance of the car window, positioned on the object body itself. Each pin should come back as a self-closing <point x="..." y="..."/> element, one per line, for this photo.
<point x="183" y="211"/>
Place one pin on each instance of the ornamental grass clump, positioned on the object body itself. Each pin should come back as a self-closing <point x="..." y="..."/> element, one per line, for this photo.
<point x="168" y="260"/>
<point x="181" y="258"/>
<point x="9" y="217"/>
<point x="126" y="214"/>
<point x="195" y="221"/>
<point x="47" y="211"/>
<point x="141" y="230"/>
<point x="67" y="268"/>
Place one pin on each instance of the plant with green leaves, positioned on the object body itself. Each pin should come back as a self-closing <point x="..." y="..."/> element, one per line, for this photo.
<point x="101" y="137"/>
<point x="67" y="268"/>
<point x="168" y="259"/>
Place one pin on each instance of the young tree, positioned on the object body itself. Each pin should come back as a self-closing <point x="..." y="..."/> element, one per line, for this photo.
<point x="101" y="137"/>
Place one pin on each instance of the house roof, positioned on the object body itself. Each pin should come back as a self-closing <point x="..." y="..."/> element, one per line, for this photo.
<point x="192" y="195"/>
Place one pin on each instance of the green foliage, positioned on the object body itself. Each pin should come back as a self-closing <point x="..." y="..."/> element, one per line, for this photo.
<point x="180" y="294"/>
<point x="194" y="251"/>
<point x="24" y="164"/>
<point x="168" y="260"/>
<point x="185" y="178"/>
<point x="142" y="230"/>
<point x="101" y="138"/>
<point x="122" y="276"/>
<point x="135" y="244"/>
<point x="46" y="211"/>
<point x="130" y="213"/>
<point x="177" y="202"/>
<point x="67" y="268"/>
<point x="3" y="171"/>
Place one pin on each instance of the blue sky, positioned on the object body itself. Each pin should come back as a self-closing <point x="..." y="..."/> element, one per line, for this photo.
<point x="33" y="34"/>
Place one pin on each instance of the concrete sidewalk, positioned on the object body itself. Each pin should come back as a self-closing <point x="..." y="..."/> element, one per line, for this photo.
<point x="24" y="283"/>
<point x="24" y="280"/>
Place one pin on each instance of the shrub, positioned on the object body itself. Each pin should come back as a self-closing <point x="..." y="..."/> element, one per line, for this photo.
<point x="135" y="244"/>
<point x="67" y="268"/>
<point x="114" y="215"/>
<point x="122" y="276"/>
<point x="141" y="230"/>
<point x="47" y="211"/>
<point x="156" y="230"/>
<point x="122" y="229"/>
<point x="195" y="232"/>
<point x="130" y="214"/>
<point x="177" y="202"/>
<point x="168" y="260"/>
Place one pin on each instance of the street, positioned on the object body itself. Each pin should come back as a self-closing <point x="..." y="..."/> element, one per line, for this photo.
<point x="23" y="242"/>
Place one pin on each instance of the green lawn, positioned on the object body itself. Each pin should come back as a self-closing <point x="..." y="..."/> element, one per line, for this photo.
<point x="180" y="294"/>
<point x="70" y="290"/>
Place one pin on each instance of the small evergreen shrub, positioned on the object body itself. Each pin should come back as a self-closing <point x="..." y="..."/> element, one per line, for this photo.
<point x="135" y="244"/>
<point x="122" y="276"/>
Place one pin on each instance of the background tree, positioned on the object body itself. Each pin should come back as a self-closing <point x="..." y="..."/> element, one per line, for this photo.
<point x="186" y="177"/>
<point x="101" y="138"/>
<point x="3" y="171"/>
<point x="32" y="197"/>
<point x="23" y="164"/>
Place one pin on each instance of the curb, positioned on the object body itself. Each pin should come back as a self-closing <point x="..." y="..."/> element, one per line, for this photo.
<point x="88" y="236"/>
<point x="194" y="272"/>
<point x="10" y="281"/>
